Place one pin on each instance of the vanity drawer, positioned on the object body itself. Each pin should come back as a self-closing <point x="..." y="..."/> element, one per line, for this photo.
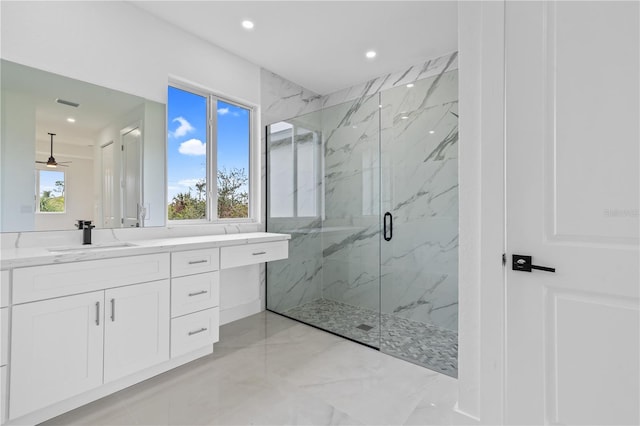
<point x="48" y="281"/>
<point x="194" y="262"/>
<point x="4" y="288"/>
<point x="194" y="293"/>
<point x="248" y="254"/>
<point x="194" y="331"/>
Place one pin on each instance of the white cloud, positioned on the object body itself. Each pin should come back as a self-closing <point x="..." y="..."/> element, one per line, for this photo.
<point x="223" y="111"/>
<point x="189" y="183"/>
<point x="184" y="128"/>
<point x="193" y="147"/>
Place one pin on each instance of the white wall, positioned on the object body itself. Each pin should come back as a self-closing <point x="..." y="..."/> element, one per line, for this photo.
<point x="154" y="168"/>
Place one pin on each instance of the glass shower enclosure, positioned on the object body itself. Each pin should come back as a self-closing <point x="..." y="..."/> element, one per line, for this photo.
<point x="368" y="190"/>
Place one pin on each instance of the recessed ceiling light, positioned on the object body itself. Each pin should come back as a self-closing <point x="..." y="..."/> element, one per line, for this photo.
<point x="248" y="25"/>
<point x="432" y="131"/>
<point x="370" y="54"/>
<point x="410" y="85"/>
<point x="71" y="120"/>
<point x="404" y="117"/>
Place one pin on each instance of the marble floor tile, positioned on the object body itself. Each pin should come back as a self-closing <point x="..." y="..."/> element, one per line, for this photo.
<point x="270" y="370"/>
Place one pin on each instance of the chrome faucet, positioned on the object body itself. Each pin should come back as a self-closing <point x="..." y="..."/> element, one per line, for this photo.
<point x="86" y="231"/>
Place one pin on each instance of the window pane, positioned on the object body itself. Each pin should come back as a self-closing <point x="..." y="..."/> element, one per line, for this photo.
<point x="51" y="191"/>
<point x="186" y="155"/>
<point x="233" y="130"/>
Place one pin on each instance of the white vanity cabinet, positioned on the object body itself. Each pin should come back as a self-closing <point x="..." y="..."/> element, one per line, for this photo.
<point x="86" y="325"/>
<point x="64" y="346"/>
<point x="56" y="350"/>
<point x="136" y="328"/>
<point x="195" y="299"/>
<point x="248" y="254"/>
<point x="4" y="340"/>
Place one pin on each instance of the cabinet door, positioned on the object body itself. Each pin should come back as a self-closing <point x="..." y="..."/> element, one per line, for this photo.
<point x="56" y="350"/>
<point x="137" y="324"/>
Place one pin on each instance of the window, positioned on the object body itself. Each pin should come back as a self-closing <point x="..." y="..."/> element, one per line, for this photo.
<point x="294" y="170"/>
<point x="50" y="191"/>
<point x="208" y="161"/>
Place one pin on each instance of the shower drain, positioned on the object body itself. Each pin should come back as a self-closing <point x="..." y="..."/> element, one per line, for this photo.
<point x="364" y="327"/>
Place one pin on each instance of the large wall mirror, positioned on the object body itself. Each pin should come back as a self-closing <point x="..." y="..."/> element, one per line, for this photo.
<point x="73" y="151"/>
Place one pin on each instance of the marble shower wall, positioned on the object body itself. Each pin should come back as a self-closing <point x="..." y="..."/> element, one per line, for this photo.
<point x="414" y="275"/>
<point x="419" y="151"/>
<point x="360" y="92"/>
<point x="351" y="226"/>
<point x="338" y="254"/>
<point x="298" y="279"/>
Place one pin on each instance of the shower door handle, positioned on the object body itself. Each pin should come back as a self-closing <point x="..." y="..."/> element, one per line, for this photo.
<point x="386" y="227"/>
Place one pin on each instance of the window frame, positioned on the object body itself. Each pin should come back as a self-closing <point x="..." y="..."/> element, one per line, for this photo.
<point x="211" y="202"/>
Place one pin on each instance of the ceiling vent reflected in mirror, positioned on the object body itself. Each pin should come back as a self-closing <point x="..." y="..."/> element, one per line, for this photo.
<point x="68" y="103"/>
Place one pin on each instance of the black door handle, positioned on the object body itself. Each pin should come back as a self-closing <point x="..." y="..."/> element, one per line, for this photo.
<point x="523" y="263"/>
<point x="384" y="224"/>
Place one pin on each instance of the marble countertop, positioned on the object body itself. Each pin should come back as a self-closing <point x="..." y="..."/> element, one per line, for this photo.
<point x="33" y="256"/>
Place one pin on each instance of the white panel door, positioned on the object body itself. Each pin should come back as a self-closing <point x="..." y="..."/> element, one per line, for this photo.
<point x="56" y="350"/>
<point x="131" y="178"/>
<point x="137" y="325"/>
<point x="109" y="219"/>
<point x="572" y="142"/>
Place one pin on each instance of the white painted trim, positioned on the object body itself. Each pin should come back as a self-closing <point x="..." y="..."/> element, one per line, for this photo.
<point x="240" y="311"/>
<point x="481" y="387"/>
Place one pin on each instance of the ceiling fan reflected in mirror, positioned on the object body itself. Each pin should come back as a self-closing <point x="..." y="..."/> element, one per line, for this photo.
<point x="51" y="162"/>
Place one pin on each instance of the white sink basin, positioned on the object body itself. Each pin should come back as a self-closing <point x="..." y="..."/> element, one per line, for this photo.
<point x="106" y="246"/>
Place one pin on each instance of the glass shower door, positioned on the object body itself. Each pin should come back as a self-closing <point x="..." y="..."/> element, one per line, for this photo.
<point x="419" y="193"/>
<point x="332" y="277"/>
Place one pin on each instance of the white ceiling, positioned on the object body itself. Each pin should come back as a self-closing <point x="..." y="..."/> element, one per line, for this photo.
<point x="320" y="45"/>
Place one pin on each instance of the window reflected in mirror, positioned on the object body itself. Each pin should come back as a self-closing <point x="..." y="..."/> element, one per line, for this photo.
<point x="50" y="191"/>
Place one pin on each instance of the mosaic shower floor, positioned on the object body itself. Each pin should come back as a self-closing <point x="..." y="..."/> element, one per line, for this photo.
<point x="423" y="344"/>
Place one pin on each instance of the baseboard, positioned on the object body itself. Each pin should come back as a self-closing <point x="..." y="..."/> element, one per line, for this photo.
<point x="241" y="311"/>
<point x="463" y="418"/>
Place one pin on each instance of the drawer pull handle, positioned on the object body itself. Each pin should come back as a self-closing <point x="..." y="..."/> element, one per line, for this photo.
<point x="191" y="333"/>
<point x="113" y="310"/>
<point x="259" y="253"/>
<point x="97" y="313"/>
<point x="197" y="293"/>
<point x="193" y="262"/>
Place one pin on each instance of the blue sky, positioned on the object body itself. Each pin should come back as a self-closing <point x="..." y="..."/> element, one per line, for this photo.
<point x="48" y="180"/>
<point x="187" y="135"/>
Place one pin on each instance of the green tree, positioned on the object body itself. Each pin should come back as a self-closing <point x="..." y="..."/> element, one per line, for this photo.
<point x="233" y="198"/>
